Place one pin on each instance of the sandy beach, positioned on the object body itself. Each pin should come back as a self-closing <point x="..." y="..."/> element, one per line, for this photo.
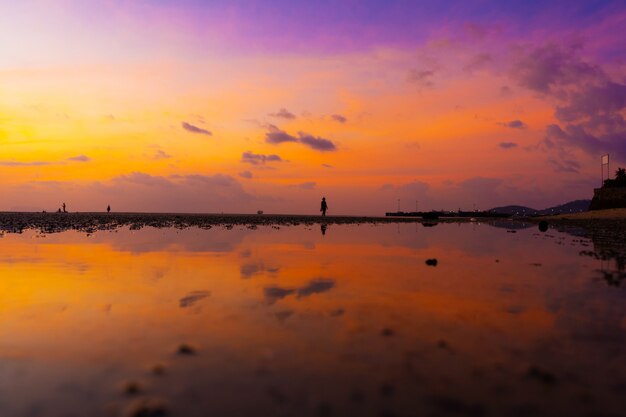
<point x="609" y="214"/>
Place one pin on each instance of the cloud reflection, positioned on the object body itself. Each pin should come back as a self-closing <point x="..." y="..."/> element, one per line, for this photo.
<point x="192" y="298"/>
<point x="316" y="286"/>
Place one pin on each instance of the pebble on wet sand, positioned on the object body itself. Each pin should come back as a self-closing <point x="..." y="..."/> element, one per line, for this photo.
<point x="541" y="375"/>
<point x="186" y="349"/>
<point x="158" y="369"/>
<point x="387" y="332"/>
<point x="146" y="407"/>
<point x="131" y="388"/>
<point x="431" y="262"/>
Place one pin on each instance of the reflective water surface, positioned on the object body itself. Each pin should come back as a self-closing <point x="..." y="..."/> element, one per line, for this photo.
<point x="341" y="320"/>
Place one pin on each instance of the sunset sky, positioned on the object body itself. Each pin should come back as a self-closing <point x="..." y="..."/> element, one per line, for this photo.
<point x="239" y="106"/>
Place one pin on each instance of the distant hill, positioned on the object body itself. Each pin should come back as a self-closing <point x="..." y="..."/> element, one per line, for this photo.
<point x="515" y="210"/>
<point x="570" y="207"/>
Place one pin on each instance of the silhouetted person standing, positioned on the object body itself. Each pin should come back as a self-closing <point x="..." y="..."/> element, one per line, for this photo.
<point x="64" y="211"/>
<point x="324" y="206"/>
<point x="108" y="209"/>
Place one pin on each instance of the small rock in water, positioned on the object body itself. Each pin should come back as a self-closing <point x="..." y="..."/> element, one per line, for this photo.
<point x="131" y="388"/>
<point x="186" y="349"/>
<point x="543" y="226"/>
<point x="158" y="369"/>
<point x="541" y="375"/>
<point x="387" y="332"/>
<point x="431" y="262"/>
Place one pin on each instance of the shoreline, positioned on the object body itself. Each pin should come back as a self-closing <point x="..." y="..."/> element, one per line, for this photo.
<point x="607" y="214"/>
<point x="89" y="222"/>
<point x="16" y="222"/>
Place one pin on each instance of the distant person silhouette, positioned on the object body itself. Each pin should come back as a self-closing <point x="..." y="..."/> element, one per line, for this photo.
<point x="324" y="206"/>
<point x="108" y="209"/>
<point x="64" y="211"/>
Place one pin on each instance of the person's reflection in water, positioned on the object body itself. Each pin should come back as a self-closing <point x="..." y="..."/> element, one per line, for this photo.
<point x="323" y="229"/>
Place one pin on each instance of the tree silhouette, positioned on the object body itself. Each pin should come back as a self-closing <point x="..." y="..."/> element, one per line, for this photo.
<point x="620" y="175"/>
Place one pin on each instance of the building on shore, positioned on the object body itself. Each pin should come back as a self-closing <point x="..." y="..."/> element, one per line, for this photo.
<point x="612" y="194"/>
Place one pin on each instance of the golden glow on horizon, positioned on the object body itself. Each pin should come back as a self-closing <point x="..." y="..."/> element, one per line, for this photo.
<point x="128" y="119"/>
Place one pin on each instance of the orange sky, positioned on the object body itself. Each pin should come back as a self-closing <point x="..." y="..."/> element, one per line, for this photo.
<point x="154" y="114"/>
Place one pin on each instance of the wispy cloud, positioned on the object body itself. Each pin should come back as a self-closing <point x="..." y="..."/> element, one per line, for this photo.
<point x="564" y="165"/>
<point x="317" y="143"/>
<point x="259" y="159"/>
<point x="339" y="118"/>
<point x="246" y="174"/>
<point x="507" y="145"/>
<point x="195" y="129"/>
<point x="79" y="158"/>
<point x="514" y="124"/>
<point x="26" y="164"/>
<point x="591" y="102"/>
<point x="309" y="185"/>
<point x="13" y="163"/>
<point x="283" y="113"/>
<point x="423" y="78"/>
<point x="142" y="178"/>
<point x="277" y="136"/>
<point x="477" y="62"/>
<point x="160" y="154"/>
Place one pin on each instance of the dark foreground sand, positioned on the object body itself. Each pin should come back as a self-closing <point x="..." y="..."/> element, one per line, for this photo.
<point x="606" y="227"/>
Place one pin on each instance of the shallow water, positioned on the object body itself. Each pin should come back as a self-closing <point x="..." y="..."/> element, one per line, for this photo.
<point x="290" y="321"/>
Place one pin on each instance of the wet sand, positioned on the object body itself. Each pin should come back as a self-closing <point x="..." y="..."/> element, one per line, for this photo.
<point x="609" y="214"/>
<point x="459" y="318"/>
<point x="16" y="222"/>
<point x="604" y="225"/>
